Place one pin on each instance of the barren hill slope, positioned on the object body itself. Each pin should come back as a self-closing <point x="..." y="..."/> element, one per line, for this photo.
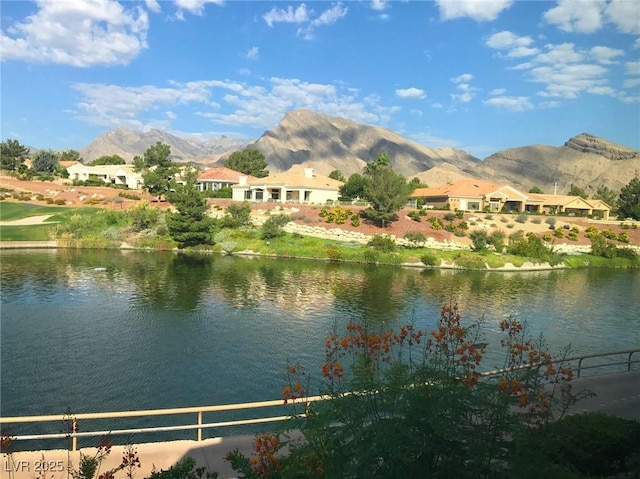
<point x="584" y="160"/>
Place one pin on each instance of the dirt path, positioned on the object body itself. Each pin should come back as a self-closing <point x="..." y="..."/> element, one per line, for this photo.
<point x="29" y="221"/>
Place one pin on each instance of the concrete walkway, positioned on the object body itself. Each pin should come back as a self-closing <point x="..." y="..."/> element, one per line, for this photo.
<point x="616" y="394"/>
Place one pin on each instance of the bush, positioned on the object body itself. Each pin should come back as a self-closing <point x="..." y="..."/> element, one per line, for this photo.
<point x="624" y="237"/>
<point x="429" y="259"/>
<point x="479" y="240"/>
<point x="551" y="222"/>
<point x="627" y="253"/>
<point x="355" y="221"/>
<point x="415" y="216"/>
<point x="371" y="256"/>
<point x="601" y="247"/>
<point x="382" y="243"/>
<point x="436" y="224"/>
<point x="522" y="218"/>
<point x="415" y="238"/>
<point x="449" y="216"/>
<point x="237" y="215"/>
<point x="536" y="221"/>
<point x="531" y="247"/>
<point x="225" y="192"/>
<point x="333" y="253"/>
<point x="337" y="214"/>
<point x="558" y="233"/>
<point x="272" y="228"/>
<point x="459" y="214"/>
<point x="144" y="216"/>
<point x="129" y="196"/>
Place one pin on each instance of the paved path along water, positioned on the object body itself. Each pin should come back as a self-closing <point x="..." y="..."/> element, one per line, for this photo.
<point x="616" y="394"/>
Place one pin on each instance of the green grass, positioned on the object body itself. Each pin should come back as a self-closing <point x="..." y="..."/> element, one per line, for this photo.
<point x="17" y="211"/>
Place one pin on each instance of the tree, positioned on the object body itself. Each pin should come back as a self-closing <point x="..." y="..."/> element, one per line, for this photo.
<point x="337" y="175"/>
<point x="249" y="161"/>
<point x="353" y="188"/>
<point x="535" y="189"/>
<point x="12" y="154"/>
<point x="45" y="161"/>
<point x="190" y="225"/>
<point x="606" y="194"/>
<point x="108" y="160"/>
<point x="157" y="169"/>
<point x="69" y="155"/>
<point x="577" y="191"/>
<point x="629" y="200"/>
<point x="388" y="192"/>
<point x="381" y="161"/>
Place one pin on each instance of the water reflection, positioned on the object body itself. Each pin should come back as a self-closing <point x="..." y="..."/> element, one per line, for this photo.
<point x="158" y="329"/>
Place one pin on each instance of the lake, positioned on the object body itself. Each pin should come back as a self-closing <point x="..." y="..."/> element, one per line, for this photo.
<point x="117" y="330"/>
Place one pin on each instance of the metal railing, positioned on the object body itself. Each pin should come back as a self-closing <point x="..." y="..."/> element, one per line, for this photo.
<point x="74" y="419"/>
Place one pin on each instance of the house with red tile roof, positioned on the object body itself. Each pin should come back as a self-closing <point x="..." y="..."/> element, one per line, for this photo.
<point x="481" y="195"/>
<point x="215" y="178"/>
<point x="299" y="184"/>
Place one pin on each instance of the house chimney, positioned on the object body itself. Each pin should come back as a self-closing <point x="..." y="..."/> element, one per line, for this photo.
<point x="308" y="172"/>
<point x="243" y="180"/>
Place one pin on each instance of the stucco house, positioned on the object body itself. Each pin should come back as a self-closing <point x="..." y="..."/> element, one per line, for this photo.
<point x="299" y="184"/>
<point x="113" y="174"/>
<point x="481" y="195"/>
<point x="221" y="177"/>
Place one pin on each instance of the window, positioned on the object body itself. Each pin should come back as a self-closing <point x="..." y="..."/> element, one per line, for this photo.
<point x="247" y="195"/>
<point x="473" y="206"/>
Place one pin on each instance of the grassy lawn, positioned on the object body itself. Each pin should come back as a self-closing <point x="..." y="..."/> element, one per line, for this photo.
<point x="16" y="211"/>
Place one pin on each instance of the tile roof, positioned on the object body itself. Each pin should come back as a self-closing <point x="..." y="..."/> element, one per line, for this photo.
<point x="222" y="173"/>
<point x="468" y="187"/>
<point x="295" y="177"/>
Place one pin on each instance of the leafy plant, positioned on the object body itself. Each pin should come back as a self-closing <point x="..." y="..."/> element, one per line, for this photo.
<point x="273" y="227"/>
<point x="382" y="243"/>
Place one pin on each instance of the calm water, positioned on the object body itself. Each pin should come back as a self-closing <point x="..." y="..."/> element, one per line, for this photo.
<point x="158" y="330"/>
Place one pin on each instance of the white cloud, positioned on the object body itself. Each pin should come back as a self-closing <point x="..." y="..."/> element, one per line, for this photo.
<point x="171" y="115"/>
<point x="511" y="103"/>
<point x="328" y="17"/>
<point x="516" y="46"/>
<point x="506" y="40"/>
<point x="632" y="68"/>
<point x="78" y="33"/>
<point x="601" y="90"/>
<point x="235" y="104"/>
<point x="464" y="78"/>
<point x="411" y="93"/>
<point x="498" y="91"/>
<point x="560" y="54"/>
<point x="549" y="104"/>
<point x="195" y="7"/>
<point x="277" y="15"/>
<point x="153" y="5"/>
<point x="436" y="105"/>
<point x="584" y="16"/>
<point x="568" y="81"/>
<point x="379" y="4"/>
<point x="252" y="54"/>
<point x="625" y="15"/>
<point x="631" y="82"/>
<point x="605" y="55"/>
<point x="478" y="10"/>
<point x="636" y="44"/>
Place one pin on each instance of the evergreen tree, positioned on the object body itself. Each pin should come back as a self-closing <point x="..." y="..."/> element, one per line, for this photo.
<point x="337" y="175"/>
<point x="157" y="169"/>
<point x="12" y="154"/>
<point x="69" y="155"/>
<point x="45" y="161"/>
<point x="388" y="192"/>
<point x="629" y="200"/>
<point x="606" y="194"/>
<point x="108" y="160"/>
<point x="353" y="188"/>
<point x="249" y="161"/>
<point x="190" y="225"/>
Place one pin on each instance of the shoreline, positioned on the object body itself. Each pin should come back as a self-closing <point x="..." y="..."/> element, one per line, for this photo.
<point x="508" y="267"/>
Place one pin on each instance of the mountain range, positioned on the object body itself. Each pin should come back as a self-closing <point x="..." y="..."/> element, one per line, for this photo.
<point x="328" y="143"/>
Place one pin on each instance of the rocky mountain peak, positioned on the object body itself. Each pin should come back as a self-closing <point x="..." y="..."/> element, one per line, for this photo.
<point x="587" y="143"/>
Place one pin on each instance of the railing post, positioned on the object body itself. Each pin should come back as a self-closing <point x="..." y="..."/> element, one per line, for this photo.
<point x="199" y="424"/>
<point x="579" y="365"/>
<point x="74" y="439"/>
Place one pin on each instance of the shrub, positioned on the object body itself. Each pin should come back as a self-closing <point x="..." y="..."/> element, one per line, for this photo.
<point x="336" y="214"/>
<point x="504" y="219"/>
<point x="601" y="247"/>
<point x="608" y="234"/>
<point x="558" y="233"/>
<point x="572" y="236"/>
<point x="272" y="228"/>
<point x="551" y="222"/>
<point x="371" y="255"/>
<point x="623" y="237"/>
<point x="450" y="227"/>
<point x="628" y="253"/>
<point x="382" y="243"/>
<point x="429" y="259"/>
<point x="531" y="247"/>
<point x="496" y="238"/>
<point x="333" y="253"/>
<point x="479" y="240"/>
<point x="459" y="214"/>
<point x="436" y="224"/>
<point x="355" y="221"/>
<point x="144" y="216"/>
<point x="237" y="215"/>
<point x="522" y="218"/>
<point x="536" y="221"/>
<point x="450" y="216"/>
<point x="129" y="196"/>
<point x="415" y="216"/>
<point x="60" y="202"/>
<point x="463" y="225"/>
<point x="415" y="238"/>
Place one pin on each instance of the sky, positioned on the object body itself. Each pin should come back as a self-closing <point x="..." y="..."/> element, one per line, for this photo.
<point x="479" y="75"/>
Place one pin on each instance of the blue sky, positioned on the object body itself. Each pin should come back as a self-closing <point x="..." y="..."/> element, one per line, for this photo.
<point x="481" y="75"/>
